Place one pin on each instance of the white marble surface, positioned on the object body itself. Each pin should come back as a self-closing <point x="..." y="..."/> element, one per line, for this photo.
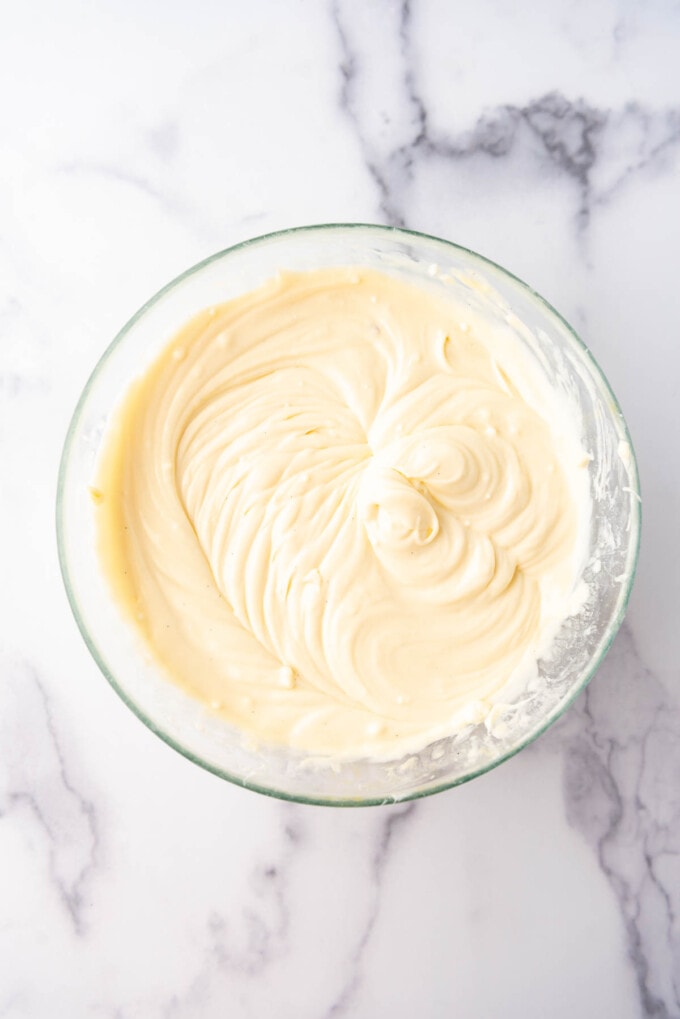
<point x="138" y="137"/>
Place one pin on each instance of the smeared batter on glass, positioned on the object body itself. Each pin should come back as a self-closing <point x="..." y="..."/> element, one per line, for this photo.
<point x="344" y="511"/>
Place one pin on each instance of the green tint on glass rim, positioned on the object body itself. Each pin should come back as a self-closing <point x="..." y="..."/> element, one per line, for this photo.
<point x="583" y="639"/>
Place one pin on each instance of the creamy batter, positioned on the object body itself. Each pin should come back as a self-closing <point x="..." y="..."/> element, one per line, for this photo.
<point x="344" y="511"/>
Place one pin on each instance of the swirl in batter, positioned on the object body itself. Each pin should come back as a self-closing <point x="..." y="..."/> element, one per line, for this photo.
<point x="344" y="512"/>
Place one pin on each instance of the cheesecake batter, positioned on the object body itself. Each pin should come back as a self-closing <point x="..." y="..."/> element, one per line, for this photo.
<point x="345" y="512"/>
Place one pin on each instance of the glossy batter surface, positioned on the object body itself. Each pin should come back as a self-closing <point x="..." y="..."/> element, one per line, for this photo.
<point x="343" y="511"/>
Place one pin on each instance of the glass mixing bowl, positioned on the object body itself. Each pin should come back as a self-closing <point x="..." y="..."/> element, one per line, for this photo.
<point x="583" y="638"/>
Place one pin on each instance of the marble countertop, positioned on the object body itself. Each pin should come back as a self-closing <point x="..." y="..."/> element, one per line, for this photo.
<point x="137" y="138"/>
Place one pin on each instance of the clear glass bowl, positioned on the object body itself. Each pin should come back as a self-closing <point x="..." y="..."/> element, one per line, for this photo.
<point x="583" y="639"/>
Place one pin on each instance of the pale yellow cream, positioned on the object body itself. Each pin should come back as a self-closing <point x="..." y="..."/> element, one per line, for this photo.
<point x="344" y="511"/>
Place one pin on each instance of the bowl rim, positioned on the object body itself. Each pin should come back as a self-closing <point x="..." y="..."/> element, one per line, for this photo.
<point x="267" y="790"/>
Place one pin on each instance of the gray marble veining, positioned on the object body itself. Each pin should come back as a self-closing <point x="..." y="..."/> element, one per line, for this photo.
<point x="622" y="792"/>
<point x="38" y="787"/>
<point x="572" y="135"/>
<point x="135" y="143"/>
<point x="395" y="819"/>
